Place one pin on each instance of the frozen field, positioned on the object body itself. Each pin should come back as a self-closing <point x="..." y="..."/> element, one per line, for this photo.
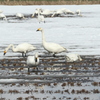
<point x="79" y="35"/>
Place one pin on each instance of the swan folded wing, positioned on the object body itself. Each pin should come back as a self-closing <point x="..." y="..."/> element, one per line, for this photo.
<point x="30" y="60"/>
<point x="25" y="47"/>
<point x="73" y="57"/>
<point x="53" y="47"/>
<point x="31" y="48"/>
<point x="41" y="18"/>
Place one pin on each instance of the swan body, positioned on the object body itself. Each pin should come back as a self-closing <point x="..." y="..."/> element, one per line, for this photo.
<point x="36" y="12"/>
<point x="40" y="17"/>
<point x="67" y="11"/>
<point x="33" y="61"/>
<point x="70" y="57"/>
<point x="51" y="47"/>
<point x="20" y="15"/>
<point x="2" y="16"/>
<point x="62" y="11"/>
<point x="46" y="12"/>
<point x="58" y="12"/>
<point x="21" y="48"/>
<point x="78" y="12"/>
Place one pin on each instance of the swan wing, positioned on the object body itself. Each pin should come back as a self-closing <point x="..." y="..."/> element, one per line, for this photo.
<point x="74" y="57"/>
<point x="2" y="15"/>
<point x="41" y="18"/>
<point x="25" y="47"/>
<point x="30" y="60"/>
<point x="53" y="47"/>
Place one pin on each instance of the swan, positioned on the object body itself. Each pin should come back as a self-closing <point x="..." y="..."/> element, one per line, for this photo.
<point x="62" y="11"/>
<point x="78" y="12"/>
<point x="2" y="16"/>
<point x="40" y="17"/>
<point x="33" y="61"/>
<point x="46" y="12"/>
<point x="36" y="12"/>
<point x="20" y="15"/>
<point x="71" y="57"/>
<point x="58" y="12"/>
<point x="51" y="47"/>
<point x="21" y="48"/>
<point x="67" y="11"/>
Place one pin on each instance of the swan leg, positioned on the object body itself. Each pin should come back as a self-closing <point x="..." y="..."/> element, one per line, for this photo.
<point x="28" y="69"/>
<point x="37" y="68"/>
<point x="54" y="55"/>
<point x="22" y="54"/>
<point x="25" y="54"/>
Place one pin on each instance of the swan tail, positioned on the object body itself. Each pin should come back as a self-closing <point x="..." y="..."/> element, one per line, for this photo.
<point x="66" y="50"/>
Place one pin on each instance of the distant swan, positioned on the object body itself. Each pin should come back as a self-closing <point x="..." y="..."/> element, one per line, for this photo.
<point x="21" y="48"/>
<point x="78" y="12"/>
<point x="20" y="16"/>
<point x="40" y="17"/>
<point x="62" y="11"/>
<point x="46" y="12"/>
<point x="51" y="47"/>
<point x="2" y="16"/>
<point x="70" y="57"/>
<point x="33" y="61"/>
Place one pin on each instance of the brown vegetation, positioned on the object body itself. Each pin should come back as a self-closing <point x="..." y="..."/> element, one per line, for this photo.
<point x="60" y="2"/>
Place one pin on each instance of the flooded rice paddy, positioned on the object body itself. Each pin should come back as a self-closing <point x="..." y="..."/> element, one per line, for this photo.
<point x="55" y="79"/>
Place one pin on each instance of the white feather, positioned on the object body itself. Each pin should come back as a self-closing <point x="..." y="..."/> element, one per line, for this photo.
<point x="21" y="48"/>
<point x="51" y="47"/>
<point x="70" y="57"/>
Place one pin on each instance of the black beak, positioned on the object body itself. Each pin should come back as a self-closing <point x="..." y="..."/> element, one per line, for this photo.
<point x="36" y="59"/>
<point x="4" y="53"/>
<point x="37" y="30"/>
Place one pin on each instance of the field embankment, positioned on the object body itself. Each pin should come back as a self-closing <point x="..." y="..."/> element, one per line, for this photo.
<point x="48" y="2"/>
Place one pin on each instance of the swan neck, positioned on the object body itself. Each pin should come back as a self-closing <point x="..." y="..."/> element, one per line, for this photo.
<point x="43" y="37"/>
<point x="13" y="48"/>
<point x="38" y="12"/>
<point x="9" y="47"/>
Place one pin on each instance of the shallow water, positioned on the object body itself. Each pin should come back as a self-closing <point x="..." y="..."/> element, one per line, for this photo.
<point x="78" y="34"/>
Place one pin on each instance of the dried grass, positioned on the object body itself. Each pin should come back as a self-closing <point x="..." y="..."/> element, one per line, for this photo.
<point x="61" y="2"/>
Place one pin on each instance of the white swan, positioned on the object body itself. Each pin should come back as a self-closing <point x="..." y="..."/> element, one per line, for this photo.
<point x="78" y="12"/>
<point x="70" y="57"/>
<point x="62" y="11"/>
<point x="2" y="16"/>
<point x="21" y="48"/>
<point x="33" y="61"/>
<point x="67" y="11"/>
<point x="40" y="17"/>
<point x="46" y="12"/>
<point x="36" y="12"/>
<point x="51" y="47"/>
<point x="58" y="12"/>
<point x="20" y="15"/>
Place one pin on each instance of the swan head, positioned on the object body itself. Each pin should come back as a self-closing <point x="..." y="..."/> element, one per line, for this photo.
<point x="4" y="52"/>
<point x="39" y="29"/>
<point x="36" y="57"/>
